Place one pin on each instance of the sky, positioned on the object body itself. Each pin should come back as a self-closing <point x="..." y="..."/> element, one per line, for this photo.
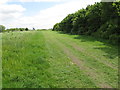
<point x="40" y="14"/>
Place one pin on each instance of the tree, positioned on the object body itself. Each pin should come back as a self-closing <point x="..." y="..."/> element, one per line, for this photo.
<point x="26" y="29"/>
<point x="2" y="28"/>
<point x="56" y="27"/>
<point x="21" y="29"/>
<point x="98" y="20"/>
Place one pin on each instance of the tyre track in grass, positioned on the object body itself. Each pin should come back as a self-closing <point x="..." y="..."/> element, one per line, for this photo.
<point x="98" y="59"/>
<point x="101" y="74"/>
<point x="106" y="69"/>
<point x="75" y="46"/>
<point x="95" y="77"/>
<point x="52" y="41"/>
<point x="81" y="65"/>
<point x="109" y="77"/>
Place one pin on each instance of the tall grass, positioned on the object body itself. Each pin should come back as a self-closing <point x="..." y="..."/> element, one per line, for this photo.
<point x="0" y="60"/>
<point x="37" y="59"/>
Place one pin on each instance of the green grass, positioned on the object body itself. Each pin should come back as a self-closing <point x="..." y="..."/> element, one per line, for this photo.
<point x="48" y="59"/>
<point x="0" y="60"/>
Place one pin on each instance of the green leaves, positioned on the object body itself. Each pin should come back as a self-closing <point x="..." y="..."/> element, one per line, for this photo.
<point x="2" y="28"/>
<point x="100" y="19"/>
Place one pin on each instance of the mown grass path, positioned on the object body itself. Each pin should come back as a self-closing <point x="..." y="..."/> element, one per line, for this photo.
<point x="43" y="59"/>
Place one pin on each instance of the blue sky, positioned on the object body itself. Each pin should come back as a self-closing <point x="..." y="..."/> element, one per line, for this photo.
<point x="33" y="8"/>
<point x="38" y="13"/>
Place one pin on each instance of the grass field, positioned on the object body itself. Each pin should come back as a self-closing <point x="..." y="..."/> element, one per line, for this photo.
<point x="48" y="59"/>
<point x="0" y="60"/>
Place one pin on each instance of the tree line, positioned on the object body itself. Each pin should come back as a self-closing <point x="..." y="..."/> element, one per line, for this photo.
<point x="16" y="29"/>
<point x="3" y="29"/>
<point x="99" y="20"/>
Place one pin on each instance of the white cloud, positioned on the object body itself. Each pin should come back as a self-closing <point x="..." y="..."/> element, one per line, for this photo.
<point x="38" y="0"/>
<point x="6" y="9"/>
<point x="45" y="18"/>
<point x="10" y="12"/>
<point x="5" y="1"/>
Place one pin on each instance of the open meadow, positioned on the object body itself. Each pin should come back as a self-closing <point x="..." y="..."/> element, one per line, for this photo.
<point x="50" y="59"/>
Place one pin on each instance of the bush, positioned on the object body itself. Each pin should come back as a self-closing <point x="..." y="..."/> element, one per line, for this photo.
<point x="114" y="38"/>
<point x="2" y="28"/>
<point x="26" y="29"/>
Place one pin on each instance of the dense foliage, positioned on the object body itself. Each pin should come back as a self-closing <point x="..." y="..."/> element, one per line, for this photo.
<point x="99" y="20"/>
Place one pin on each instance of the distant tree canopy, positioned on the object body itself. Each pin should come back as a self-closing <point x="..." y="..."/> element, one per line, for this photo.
<point x="2" y="28"/>
<point x="98" y="20"/>
<point x="26" y="29"/>
<point x="16" y="29"/>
